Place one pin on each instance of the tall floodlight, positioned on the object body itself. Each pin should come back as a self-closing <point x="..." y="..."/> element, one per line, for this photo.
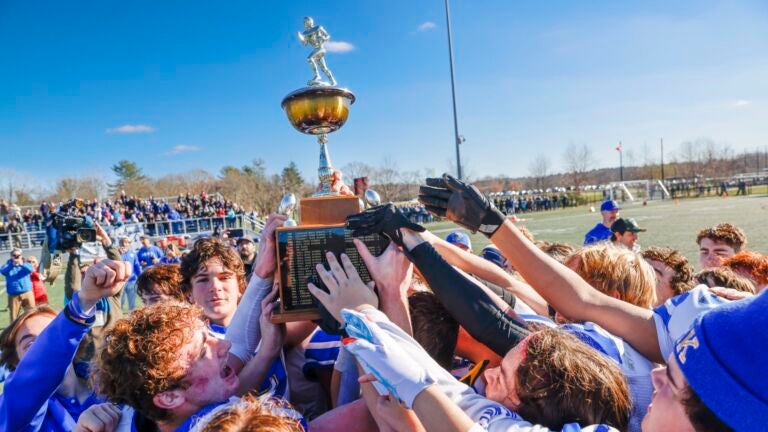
<point x="458" y="139"/>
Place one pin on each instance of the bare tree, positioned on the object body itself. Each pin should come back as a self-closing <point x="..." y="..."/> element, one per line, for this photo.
<point x="578" y="160"/>
<point x="539" y="169"/>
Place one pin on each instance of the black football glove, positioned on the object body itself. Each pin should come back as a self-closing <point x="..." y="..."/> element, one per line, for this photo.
<point x="385" y="220"/>
<point x="462" y="203"/>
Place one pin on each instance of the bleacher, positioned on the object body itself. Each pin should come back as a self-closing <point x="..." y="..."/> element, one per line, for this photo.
<point x="31" y="240"/>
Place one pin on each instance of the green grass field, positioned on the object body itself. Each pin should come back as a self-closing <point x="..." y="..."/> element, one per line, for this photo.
<point x="669" y="223"/>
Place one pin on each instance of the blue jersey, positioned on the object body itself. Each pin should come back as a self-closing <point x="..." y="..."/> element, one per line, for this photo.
<point x="132" y="258"/>
<point x="320" y="353"/>
<point x="597" y="234"/>
<point x="147" y="255"/>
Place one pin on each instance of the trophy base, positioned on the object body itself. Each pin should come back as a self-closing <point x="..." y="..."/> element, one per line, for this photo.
<point x="299" y="250"/>
<point x="328" y="210"/>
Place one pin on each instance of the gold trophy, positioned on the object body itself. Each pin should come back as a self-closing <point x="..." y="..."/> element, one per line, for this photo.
<point x="318" y="109"/>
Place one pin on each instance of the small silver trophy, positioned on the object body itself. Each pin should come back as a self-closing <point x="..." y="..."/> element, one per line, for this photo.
<point x="286" y="207"/>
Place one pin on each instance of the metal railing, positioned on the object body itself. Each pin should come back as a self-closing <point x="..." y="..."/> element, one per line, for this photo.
<point x="35" y="239"/>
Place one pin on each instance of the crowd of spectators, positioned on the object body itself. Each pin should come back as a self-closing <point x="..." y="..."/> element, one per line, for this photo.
<point x="530" y="203"/>
<point x="159" y="214"/>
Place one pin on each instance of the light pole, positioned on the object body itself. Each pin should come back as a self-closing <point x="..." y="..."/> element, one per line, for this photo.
<point x="457" y="137"/>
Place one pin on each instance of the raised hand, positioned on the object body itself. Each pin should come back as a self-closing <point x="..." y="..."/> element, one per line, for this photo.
<point x="345" y="288"/>
<point x="392" y="271"/>
<point x="266" y="260"/>
<point x="462" y="203"/>
<point x="384" y="219"/>
<point x="103" y="279"/>
<point x="272" y="335"/>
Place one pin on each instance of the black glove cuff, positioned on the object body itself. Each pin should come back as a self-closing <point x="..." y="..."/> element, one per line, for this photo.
<point x="491" y="222"/>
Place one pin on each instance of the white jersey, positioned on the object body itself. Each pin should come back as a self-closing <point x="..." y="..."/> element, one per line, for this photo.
<point x="677" y="314"/>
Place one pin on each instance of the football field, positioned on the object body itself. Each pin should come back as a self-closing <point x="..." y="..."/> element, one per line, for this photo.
<point x="669" y="223"/>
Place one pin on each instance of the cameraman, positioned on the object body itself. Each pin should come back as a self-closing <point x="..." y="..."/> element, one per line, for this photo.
<point x="18" y="284"/>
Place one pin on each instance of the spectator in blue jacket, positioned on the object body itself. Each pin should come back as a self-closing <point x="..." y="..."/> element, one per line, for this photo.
<point x="149" y="254"/>
<point x="18" y="284"/>
<point x="129" y="256"/>
<point x="44" y="392"/>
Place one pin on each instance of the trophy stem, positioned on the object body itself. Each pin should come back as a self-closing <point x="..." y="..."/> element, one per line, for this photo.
<point x="325" y="172"/>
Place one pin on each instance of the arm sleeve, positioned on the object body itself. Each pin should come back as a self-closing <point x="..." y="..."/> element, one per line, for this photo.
<point x="40" y="373"/>
<point x="245" y="331"/>
<point x="6" y="268"/>
<point x="473" y="307"/>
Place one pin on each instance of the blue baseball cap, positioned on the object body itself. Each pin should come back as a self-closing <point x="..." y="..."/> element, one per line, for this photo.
<point x="459" y="237"/>
<point x="720" y="356"/>
<point x="609" y="205"/>
<point x="493" y="255"/>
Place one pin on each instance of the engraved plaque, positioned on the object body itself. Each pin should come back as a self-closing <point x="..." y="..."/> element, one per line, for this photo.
<point x="299" y="250"/>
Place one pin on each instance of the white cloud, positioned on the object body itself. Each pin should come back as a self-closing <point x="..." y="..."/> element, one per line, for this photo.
<point x="182" y="148"/>
<point x="740" y="103"/>
<point x="338" y="46"/>
<point x="426" y="26"/>
<point x="131" y="129"/>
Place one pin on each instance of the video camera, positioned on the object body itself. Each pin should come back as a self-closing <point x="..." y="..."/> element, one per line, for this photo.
<point x="72" y="231"/>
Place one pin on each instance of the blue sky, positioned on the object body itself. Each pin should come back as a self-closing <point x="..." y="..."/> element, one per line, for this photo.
<point x="199" y="84"/>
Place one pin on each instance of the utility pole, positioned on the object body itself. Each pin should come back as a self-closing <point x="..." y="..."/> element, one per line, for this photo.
<point x="662" y="159"/>
<point x="457" y="137"/>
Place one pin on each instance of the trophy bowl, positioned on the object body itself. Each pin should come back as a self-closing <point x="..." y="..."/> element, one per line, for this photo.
<point x="318" y="110"/>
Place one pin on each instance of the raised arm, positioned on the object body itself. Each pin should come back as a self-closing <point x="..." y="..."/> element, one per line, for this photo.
<point x="558" y="285"/>
<point x="43" y="367"/>
<point x="488" y="271"/>
<point x="482" y="313"/>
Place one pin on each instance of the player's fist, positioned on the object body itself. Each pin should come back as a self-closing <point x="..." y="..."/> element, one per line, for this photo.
<point x="103" y="279"/>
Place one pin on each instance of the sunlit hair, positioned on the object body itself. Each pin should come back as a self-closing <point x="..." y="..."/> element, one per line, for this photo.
<point x="682" y="280"/>
<point x="563" y="380"/>
<point x="558" y="251"/>
<point x="141" y="356"/>
<point x="611" y="269"/>
<point x="251" y="414"/>
<point x="724" y="277"/>
<point x="204" y="250"/>
<point x="9" y="356"/>
<point x="526" y="233"/>
<point x="753" y="263"/>
<point x="726" y="233"/>
<point x="164" y="279"/>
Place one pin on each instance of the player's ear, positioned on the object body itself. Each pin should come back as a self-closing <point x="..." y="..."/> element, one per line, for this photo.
<point x="169" y="399"/>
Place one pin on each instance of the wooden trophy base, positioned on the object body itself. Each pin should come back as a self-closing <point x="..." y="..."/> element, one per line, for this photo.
<point x="328" y="210"/>
<point x="317" y="214"/>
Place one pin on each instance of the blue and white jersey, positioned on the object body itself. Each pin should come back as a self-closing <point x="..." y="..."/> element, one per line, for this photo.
<point x="321" y="352"/>
<point x="276" y="382"/>
<point x="677" y="314"/>
<point x="633" y="365"/>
